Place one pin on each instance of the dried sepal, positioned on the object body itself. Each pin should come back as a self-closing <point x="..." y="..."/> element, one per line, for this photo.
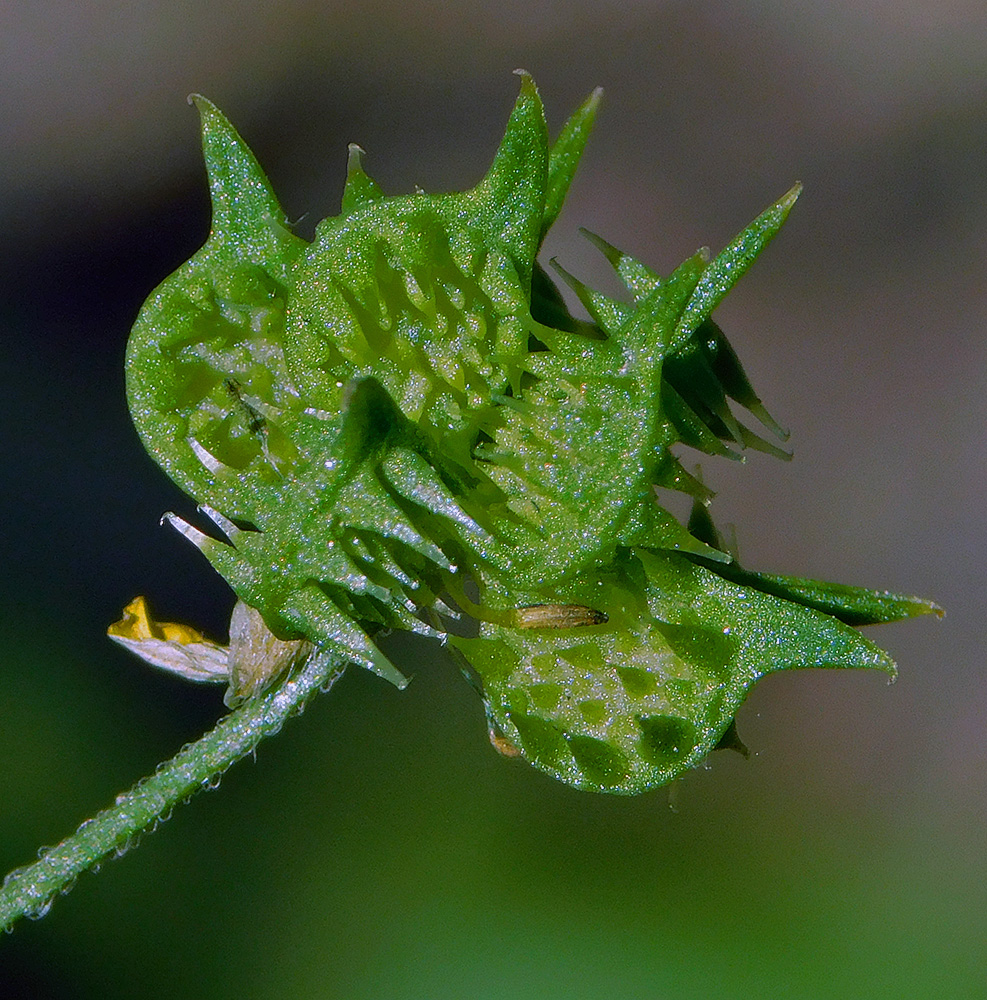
<point x="256" y="655"/>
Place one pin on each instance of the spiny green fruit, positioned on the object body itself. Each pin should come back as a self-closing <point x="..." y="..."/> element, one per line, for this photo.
<point x="400" y="425"/>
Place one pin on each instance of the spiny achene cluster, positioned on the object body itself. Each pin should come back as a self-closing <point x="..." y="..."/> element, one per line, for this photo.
<point x="400" y="425"/>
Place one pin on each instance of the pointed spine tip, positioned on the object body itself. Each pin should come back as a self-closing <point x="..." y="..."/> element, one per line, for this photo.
<point x="360" y="189"/>
<point x="592" y="103"/>
<point x="609" y="251"/>
<point x="203" y="105"/>
<point x="225" y="525"/>
<point x="206" y="110"/>
<point x="926" y="607"/>
<point x="199" y="539"/>
<point x="528" y="85"/>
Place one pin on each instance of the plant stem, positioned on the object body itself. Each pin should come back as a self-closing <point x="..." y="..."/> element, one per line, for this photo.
<point x="30" y="891"/>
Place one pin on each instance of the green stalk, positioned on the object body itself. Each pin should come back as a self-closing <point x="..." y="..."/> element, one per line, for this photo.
<point x="30" y="891"/>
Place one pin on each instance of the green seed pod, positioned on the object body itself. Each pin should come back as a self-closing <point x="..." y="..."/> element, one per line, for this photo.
<point x="402" y="421"/>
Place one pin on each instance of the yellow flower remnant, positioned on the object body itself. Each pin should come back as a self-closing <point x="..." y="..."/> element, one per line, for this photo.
<point x="254" y="657"/>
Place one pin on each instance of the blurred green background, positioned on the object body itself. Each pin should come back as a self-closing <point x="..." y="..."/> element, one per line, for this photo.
<point x="379" y="848"/>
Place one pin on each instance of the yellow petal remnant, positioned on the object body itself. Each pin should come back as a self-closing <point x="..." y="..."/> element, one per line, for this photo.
<point x="138" y="625"/>
<point x="179" y="649"/>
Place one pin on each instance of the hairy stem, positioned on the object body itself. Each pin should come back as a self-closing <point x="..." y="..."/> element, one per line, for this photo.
<point x="29" y="891"/>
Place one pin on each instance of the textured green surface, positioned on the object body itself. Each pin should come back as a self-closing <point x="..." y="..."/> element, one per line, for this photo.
<point x="400" y="425"/>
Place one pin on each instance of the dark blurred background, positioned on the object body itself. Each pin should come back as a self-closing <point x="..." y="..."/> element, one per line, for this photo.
<point x="379" y="848"/>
